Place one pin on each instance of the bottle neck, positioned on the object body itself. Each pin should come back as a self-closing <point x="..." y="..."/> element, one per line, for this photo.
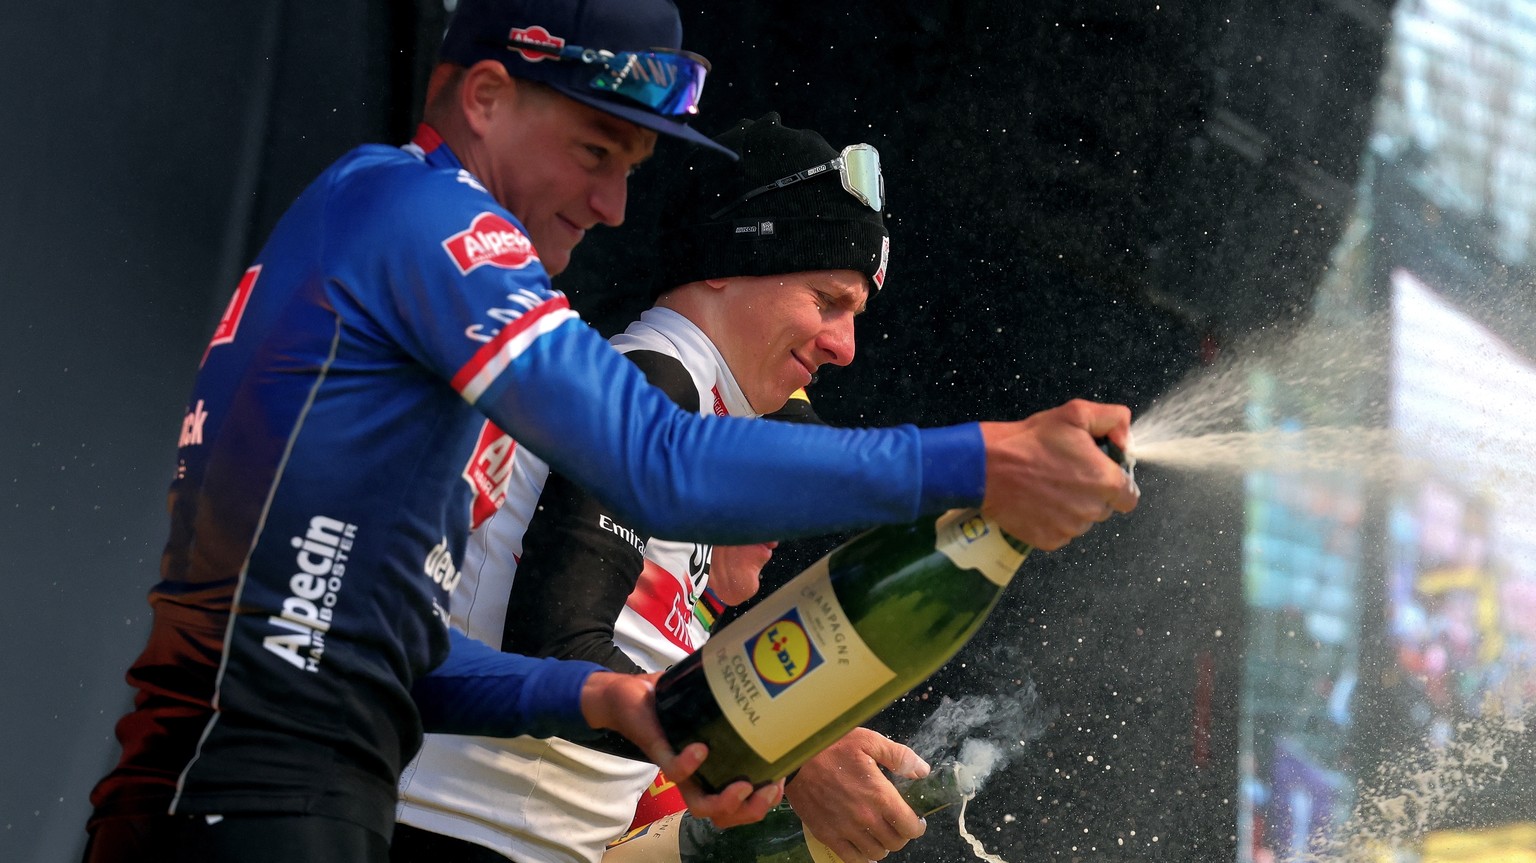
<point x="1018" y="545"/>
<point x="947" y="784"/>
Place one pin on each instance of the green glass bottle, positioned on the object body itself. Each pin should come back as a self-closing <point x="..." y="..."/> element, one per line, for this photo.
<point x="779" y="837"/>
<point x="839" y="642"/>
<point x="843" y="639"/>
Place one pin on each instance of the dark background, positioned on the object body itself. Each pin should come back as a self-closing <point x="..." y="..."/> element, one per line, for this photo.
<point x="1086" y="199"/>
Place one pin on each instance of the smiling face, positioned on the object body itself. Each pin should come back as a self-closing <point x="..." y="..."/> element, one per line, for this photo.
<point x="776" y="331"/>
<point x="560" y="166"/>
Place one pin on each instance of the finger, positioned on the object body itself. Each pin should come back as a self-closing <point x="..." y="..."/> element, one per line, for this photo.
<point x="738" y="804"/>
<point x="763" y="799"/>
<point x="1047" y="541"/>
<point x="846" y="851"/>
<point x="724" y="809"/>
<point x="1126" y="496"/>
<point x="915" y="830"/>
<point x="898" y="759"/>
<point x="679" y="766"/>
<point x="891" y="834"/>
<point x="857" y="852"/>
<point x="1111" y="421"/>
<point x="898" y="824"/>
<point x="869" y="845"/>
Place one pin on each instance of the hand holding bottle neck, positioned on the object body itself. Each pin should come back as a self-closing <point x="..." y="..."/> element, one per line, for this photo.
<point x="947" y="784"/>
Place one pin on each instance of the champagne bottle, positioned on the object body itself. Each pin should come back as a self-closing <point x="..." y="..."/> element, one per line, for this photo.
<point x="849" y="635"/>
<point x="779" y="837"/>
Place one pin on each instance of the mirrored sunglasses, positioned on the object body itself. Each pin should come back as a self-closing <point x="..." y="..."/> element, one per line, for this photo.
<point x="667" y="82"/>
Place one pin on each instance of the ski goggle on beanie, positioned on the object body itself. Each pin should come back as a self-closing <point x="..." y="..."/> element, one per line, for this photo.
<point x="858" y="165"/>
<point x="792" y="203"/>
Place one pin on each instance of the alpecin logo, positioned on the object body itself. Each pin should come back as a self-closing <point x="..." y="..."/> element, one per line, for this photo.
<point x="490" y="239"/>
<point x="535" y="35"/>
<point x="321" y="562"/>
<point x="782" y="653"/>
<point x="488" y="471"/>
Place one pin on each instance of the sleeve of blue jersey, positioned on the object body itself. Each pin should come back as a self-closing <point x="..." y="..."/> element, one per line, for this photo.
<point x="481" y="691"/>
<point x="571" y="399"/>
<point x="505" y="340"/>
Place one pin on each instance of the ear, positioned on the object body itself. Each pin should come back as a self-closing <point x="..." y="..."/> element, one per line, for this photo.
<point x="717" y="284"/>
<point x="485" y="85"/>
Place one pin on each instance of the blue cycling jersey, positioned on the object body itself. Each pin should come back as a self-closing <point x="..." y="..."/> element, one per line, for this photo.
<point x="324" y="479"/>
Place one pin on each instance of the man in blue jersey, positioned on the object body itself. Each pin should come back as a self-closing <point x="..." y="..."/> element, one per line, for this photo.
<point x="322" y="494"/>
<point x="740" y="317"/>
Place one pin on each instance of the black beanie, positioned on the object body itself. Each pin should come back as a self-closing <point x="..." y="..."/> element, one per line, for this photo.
<point x="813" y="224"/>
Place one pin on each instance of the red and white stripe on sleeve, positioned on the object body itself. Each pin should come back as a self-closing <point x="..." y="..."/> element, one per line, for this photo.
<point x="495" y="356"/>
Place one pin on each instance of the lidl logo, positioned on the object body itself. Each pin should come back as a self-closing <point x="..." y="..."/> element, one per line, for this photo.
<point x="974" y="528"/>
<point x="782" y="653"/>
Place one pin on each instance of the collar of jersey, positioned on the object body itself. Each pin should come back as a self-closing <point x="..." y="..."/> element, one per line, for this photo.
<point x="429" y="146"/>
<point x="689" y="338"/>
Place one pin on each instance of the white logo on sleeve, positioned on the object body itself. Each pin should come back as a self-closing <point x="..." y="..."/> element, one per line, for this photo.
<point x="439" y="566"/>
<point x="322" y="565"/>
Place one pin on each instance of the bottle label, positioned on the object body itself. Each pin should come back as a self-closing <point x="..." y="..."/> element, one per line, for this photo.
<point x="971" y="541"/>
<point x="656" y="842"/>
<point x="820" y="853"/>
<point x="802" y="666"/>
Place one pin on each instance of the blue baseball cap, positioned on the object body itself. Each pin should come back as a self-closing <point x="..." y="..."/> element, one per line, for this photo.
<point x="622" y="57"/>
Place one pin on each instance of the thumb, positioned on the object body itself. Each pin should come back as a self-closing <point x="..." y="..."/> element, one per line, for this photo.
<point x="897" y="758"/>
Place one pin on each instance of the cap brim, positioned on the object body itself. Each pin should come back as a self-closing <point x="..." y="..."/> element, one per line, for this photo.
<point x="642" y="117"/>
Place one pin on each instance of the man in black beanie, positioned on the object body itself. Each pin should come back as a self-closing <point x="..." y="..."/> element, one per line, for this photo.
<point x="775" y="210"/>
<point x="763" y="276"/>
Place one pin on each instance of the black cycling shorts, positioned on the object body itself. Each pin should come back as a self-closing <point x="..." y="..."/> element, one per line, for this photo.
<point x="244" y="838"/>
